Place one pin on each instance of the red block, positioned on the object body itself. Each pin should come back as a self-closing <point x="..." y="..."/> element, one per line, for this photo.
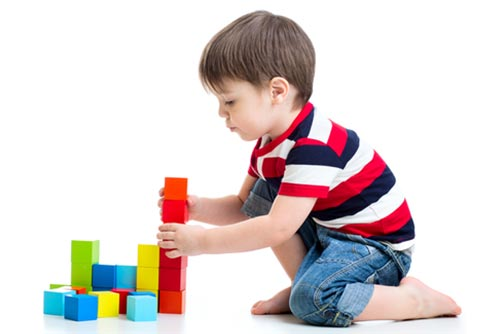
<point x="166" y="262"/>
<point x="172" y="279"/>
<point x="175" y="188"/>
<point x="172" y="302"/>
<point x="174" y="211"/>
<point x="123" y="293"/>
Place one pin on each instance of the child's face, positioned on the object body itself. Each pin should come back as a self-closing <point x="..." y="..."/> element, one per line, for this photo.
<point x="246" y="108"/>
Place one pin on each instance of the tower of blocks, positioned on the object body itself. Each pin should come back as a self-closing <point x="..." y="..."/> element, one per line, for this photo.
<point x="157" y="284"/>
<point x="172" y="272"/>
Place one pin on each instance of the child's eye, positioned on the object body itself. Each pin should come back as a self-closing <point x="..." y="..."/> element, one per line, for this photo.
<point x="229" y="103"/>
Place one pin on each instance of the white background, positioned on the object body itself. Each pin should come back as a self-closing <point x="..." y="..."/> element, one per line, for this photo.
<point x="100" y="100"/>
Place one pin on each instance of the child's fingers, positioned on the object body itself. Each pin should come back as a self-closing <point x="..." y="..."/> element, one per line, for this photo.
<point x="161" y="192"/>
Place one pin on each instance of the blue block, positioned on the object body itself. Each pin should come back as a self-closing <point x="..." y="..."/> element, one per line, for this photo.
<point x="80" y="307"/>
<point x="103" y="276"/>
<point x="53" y="300"/>
<point x="126" y="277"/>
<point x="142" y="308"/>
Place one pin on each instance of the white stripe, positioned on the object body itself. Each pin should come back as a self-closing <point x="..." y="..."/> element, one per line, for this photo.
<point x="361" y="158"/>
<point x="280" y="151"/>
<point x="315" y="175"/>
<point x="386" y="205"/>
<point x="321" y="128"/>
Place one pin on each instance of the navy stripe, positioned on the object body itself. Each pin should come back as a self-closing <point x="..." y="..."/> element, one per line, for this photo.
<point x="371" y="194"/>
<point x="351" y="146"/>
<point x="317" y="155"/>
<point x="304" y="128"/>
<point x="405" y="233"/>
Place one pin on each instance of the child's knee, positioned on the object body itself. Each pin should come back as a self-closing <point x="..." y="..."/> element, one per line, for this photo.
<point x="309" y="304"/>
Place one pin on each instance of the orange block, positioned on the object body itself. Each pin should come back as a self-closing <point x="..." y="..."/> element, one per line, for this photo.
<point x="172" y="302"/>
<point x="175" y="188"/>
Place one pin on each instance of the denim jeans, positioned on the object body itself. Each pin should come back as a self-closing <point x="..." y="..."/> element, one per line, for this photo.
<point x="336" y="278"/>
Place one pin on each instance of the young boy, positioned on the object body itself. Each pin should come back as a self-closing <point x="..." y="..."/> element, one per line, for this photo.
<point x="320" y="197"/>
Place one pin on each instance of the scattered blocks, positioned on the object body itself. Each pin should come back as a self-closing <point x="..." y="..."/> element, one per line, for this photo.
<point x="142" y="307"/>
<point x="156" y="285"/>
<point x="80" y="307"/>
<point x="107" y="303"/>
<point x="53" y="300"/>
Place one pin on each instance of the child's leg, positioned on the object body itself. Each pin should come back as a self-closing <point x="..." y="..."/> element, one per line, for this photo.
<point x="412" y="299"/>
<point x="354" y="279"/>
<point x="290" y="254"/>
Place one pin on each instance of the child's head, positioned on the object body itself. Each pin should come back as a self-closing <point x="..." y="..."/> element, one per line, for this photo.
<point x="256" y="48"/>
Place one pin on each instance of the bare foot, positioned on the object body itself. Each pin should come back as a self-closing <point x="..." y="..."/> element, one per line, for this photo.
<point x="431" y="303"/>
<point x="278" y="304"/>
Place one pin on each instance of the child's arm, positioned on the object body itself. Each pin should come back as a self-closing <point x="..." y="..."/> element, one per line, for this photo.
<point x="221" y="211"/>
<point x="286" y="216"/>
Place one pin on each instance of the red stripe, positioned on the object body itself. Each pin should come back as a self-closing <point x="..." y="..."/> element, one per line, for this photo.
<point x="338" y="138"/>
<point x="390" y="224"/>
<point x="355" y="184"/>
<point x="303" y="190"/>
<point x="273" y="167"/>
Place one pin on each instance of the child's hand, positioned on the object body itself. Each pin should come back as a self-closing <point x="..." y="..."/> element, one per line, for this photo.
<point x="191" y="203"/>
<point x="180" y="239"/>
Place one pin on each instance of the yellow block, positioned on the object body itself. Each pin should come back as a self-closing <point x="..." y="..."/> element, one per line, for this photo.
<point x="147" y="278"/>
<point x="148" y="256"/>
<point x="108" y="303"/>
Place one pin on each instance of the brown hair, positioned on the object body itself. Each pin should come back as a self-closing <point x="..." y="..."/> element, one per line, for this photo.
<point x="256" y="48"/>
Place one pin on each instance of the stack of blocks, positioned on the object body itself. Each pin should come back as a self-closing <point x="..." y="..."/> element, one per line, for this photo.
<point x="156" y="284"/>
<point x="172" y="272"/>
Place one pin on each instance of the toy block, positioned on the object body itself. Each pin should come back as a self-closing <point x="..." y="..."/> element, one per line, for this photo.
<point x="123" y="298"/>
<point x="126" y="277"/>
<point x="53" y="300"/>
<point x="81" y="274"/>
<point x="57" y="285"/>
<point x="143" y="293"/>
<point x="172" y="279"/>
<point x="174" y="211"/>
<point x="85" y="251"/>
<point x="147" y="256"/>
<point x="175" y="188"/>
<point x="172" y="302"/>
<point x="147" y="278"/>
<point x="103" y="276"/>
<point x="108" y="303"/>
<point x="80" y="290"/>
<point x="142" y="308"/>
<point x="80" y="307"/>
<point x="166" y="262"/>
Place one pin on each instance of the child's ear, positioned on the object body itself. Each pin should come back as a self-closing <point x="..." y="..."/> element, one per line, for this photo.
<point x="279" y="89"/>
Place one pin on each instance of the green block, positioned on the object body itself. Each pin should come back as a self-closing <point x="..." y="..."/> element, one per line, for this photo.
<point x="86" y="252"/>
<point x="81" y="274"/>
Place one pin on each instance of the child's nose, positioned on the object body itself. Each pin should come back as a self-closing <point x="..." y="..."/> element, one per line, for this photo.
<point x="222" y="112"/>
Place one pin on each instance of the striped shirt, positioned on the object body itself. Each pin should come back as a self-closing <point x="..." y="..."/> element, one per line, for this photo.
<point x="356" y="191"/>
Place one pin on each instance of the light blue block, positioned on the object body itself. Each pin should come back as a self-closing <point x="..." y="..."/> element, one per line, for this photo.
<point x="142" y="308"/>
<point x="126" y="277"/>
<point x="53" y="300"/>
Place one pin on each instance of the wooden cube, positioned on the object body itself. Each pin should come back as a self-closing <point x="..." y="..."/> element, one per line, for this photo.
<point x="80" y="307"/>
<point x="175" y="188"/>
<point x="172" y="302"/>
